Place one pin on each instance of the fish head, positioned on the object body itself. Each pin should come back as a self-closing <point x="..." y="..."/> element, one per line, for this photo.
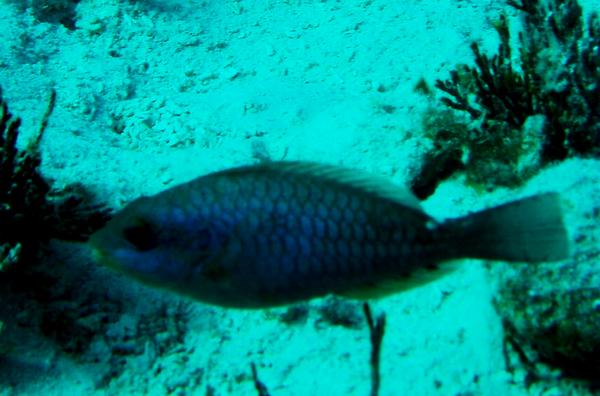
<point x="157" y="244"/>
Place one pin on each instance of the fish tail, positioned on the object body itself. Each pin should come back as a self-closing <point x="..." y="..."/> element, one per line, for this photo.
<point x="530" y="229"/>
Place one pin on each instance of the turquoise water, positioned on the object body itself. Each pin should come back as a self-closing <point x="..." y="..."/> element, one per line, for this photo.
<point x="151" y="94"/>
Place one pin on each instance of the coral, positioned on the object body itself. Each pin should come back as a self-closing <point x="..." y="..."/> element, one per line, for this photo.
<point x="46" y="296"/>
<point x="31" y="212"/>
<point x="565" y="335"/>
<point x="558" y="325"/>
<point x="545" y="101"/>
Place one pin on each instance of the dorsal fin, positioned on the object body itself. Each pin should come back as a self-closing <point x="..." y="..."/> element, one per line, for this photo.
<point x="378" y="186"/>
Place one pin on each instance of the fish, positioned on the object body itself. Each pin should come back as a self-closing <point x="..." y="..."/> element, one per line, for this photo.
<point x="279" y="233"/>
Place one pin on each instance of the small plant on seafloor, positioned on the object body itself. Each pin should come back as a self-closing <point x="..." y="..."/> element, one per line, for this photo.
<point x="508" y="115"/>
<point x="31" y="212"/>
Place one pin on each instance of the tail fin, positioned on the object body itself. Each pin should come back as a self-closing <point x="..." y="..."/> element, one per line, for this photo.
<point x="530" y="229"/>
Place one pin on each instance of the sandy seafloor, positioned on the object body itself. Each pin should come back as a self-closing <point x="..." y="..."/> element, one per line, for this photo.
<point x="154" y="93"/>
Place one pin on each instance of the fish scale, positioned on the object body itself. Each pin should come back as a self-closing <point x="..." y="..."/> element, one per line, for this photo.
<point x="279" y="233"/>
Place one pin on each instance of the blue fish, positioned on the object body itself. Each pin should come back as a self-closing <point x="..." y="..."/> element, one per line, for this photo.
<point x="283" y="232"/>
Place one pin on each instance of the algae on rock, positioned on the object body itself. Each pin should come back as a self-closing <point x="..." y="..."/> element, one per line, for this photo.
<point x="511" y="115"/>
<point x="31" y="212"/>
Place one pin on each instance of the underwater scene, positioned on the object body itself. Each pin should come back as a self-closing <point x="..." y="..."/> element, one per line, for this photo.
<point x="300" y="197"/>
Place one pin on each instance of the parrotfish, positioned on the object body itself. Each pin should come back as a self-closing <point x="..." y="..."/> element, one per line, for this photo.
<point x="283" y="232"/>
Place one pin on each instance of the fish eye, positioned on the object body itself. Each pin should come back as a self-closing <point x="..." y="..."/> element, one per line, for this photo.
<point x="141" y="236"/>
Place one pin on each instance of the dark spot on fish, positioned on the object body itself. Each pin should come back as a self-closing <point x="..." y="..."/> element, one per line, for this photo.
<point x="141" y="236"/>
